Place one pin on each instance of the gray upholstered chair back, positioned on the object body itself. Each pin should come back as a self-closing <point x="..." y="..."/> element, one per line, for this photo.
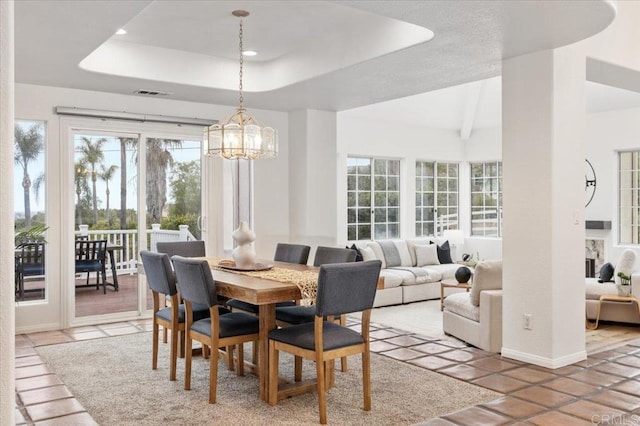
<point x="160" y="276"/>
<point x="195" y="281"/>
<point x="292" y="253"/>
<point x="182" y="248"/>
<point x="325" y="255"/>
<point x="347" y="287"/>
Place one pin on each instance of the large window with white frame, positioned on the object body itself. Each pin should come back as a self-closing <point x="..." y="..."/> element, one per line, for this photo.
<point x="436" y="197"/>
<point x="373" y="198"/>
<point x="486" y="199"/>
<point x="629" y="197"/>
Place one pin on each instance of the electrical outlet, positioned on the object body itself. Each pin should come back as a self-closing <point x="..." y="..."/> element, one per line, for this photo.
<point x="528" y="321"/>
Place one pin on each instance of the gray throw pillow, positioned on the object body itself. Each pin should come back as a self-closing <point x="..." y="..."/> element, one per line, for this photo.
<point x="606" y="273"/>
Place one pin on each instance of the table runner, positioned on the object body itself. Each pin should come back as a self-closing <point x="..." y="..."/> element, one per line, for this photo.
<point x="306" y="281"/>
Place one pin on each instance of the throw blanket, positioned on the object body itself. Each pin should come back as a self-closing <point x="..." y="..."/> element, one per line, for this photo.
<point x="391" y="253"/>
<point x="422" y="276"/>
<point x="306" y="281"/>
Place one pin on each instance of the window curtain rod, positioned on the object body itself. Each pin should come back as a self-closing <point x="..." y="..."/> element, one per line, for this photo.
<point x="131" y="116"/>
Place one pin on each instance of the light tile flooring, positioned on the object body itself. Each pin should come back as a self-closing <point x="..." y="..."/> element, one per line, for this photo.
<point x="604" y="389"/>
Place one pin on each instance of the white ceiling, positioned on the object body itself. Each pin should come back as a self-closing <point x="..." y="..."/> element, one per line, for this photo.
<point x="445" y="108"/>
<point x="340" y="53"/>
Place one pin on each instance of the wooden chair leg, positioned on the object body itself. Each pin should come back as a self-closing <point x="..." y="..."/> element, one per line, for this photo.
<point x="366" y="379"/>
<point x="240" y="359"/>
<point x="213" y="378"/>
<point x="182" y="344"/>
<point x="164" y="336"/>
<point x="254" y="353"/>
<point x="321" y="386"/>
<point x="297" y="369"/>
<point x="173" y="353"/>
<point x="229" y="357"/>
<point x="187" y="362"/>
<point x="154" y="355"/>
<point x="273" y="373"/>
<point x="343" y="365"/>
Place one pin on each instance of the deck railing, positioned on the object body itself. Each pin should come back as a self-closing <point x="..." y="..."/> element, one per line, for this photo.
<point x="125" y="240"/>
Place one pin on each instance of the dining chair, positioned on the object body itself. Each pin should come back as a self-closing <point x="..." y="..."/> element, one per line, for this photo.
<point x="29" y="261"/>
<point x="342" y="289"/>
<point x="290" y="253"/>
<point x="292" y="315"/>
<point x="91" y="257"/>
<point x="162" y="282"/>
<point x="194" y="248"/>
<point x="197" y="286"/>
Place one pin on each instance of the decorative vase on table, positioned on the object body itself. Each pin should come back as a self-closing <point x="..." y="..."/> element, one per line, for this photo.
<point x="463" y="274"/>
<point x="244" y="255"/>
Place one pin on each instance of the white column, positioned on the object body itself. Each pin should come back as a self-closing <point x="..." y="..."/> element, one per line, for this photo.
<point x="7" y="293"/>
<point x="313" y="162"/>
<point x="543" y="111"/>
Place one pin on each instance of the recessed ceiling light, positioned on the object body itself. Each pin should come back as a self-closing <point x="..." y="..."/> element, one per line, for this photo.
<point x="249" y="52"/>
<point x="121" y="31"/>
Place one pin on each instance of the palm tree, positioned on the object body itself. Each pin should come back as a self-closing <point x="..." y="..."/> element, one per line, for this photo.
<point x="159" y="160"/>
<point x="106" y="174"/>
<point x="28" y="145"/>
<point x="92" y="155"/>
<point x="124" y="143"/>
<point x="82" y="187"/>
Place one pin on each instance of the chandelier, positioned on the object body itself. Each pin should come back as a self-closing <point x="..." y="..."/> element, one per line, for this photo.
<point x="241" y="136"/>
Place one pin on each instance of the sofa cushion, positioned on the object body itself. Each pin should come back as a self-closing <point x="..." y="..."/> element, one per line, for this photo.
<point x="487" y="276"/>
<point x="426" y="255"/>
<point x="377" y="250"/>
<point x="444" y="252"/>
<point x="411" y="244"/>
<point x="367" y="254"/>
<point x="606" y="273"/>
<point x="625" y="264"/>
<point x="391" y="278"/>
<point x="396" y="252"/>
<point x="445" y="271"/>
<point x="412" y="275"/>
<point x="594" y="289"/>
<point x="460" y="304"/>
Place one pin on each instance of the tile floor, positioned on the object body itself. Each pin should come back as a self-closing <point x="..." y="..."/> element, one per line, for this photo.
<point x="604" y="389"/>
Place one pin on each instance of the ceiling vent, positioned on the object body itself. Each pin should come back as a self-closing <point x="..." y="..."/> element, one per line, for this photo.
<point x="151" y="93"/>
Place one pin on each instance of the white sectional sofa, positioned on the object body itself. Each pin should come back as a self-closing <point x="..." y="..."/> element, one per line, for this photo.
<point x="408" y="277"/>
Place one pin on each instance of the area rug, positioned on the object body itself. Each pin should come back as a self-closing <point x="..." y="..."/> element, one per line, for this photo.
<point x="113" y="380"/>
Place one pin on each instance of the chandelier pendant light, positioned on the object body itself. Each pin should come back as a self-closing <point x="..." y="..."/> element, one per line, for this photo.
<point x="241" y="136"/>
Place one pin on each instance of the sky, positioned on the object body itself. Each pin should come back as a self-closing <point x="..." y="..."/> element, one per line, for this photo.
<point x="190" y="151"/>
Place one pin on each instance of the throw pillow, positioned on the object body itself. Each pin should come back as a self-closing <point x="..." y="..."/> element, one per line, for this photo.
<point x="606" y="273"/>
<point x="487" y="276"/>
<point x="444" y="253"/>
<point x="427" y="255"/>
<point x="626" y="264"/>
<point x="368" y="254"/>
<point x="357" y="250"/>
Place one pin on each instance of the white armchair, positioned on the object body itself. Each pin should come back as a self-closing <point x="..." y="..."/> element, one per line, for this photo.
<point x="476" y="317"/>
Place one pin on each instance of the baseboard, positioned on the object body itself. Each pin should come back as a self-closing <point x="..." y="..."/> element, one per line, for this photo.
<point x="35" y="328"/>
<point x="543" y="361"/>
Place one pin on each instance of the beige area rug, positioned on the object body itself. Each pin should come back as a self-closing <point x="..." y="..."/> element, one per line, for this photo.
<point x="112" y="378"/>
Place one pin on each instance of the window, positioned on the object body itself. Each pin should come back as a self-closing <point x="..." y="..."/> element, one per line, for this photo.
<point x="436" y="197"/>
<point x="29" y="210"/>
<point x="373" y="198"/>
<point x="486" y="199"/>
<point x="629" y="199"/>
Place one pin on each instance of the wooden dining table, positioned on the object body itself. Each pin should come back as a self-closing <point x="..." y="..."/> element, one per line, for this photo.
<point x="265" y="293"/>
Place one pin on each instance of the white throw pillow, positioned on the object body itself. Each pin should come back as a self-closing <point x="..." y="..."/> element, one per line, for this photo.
<point x="626" y="264"/>
<point x="427" y="255"/>
<point x="367" y="254"/>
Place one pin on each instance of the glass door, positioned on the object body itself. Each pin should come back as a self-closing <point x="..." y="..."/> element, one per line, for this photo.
<point x="106" y="240"/>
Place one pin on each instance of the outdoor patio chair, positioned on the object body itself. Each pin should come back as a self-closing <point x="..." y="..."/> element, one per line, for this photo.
<point x="91" y="257"/>
<point x="29" y="261"/>
<point x="197" y="286"/>
<point x="342" y="289"/>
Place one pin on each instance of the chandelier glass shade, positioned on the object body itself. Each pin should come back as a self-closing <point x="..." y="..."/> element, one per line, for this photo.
<point x="241" y="136"/>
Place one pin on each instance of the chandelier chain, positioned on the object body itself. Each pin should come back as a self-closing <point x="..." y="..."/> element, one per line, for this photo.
<point x="241" y="66"/>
